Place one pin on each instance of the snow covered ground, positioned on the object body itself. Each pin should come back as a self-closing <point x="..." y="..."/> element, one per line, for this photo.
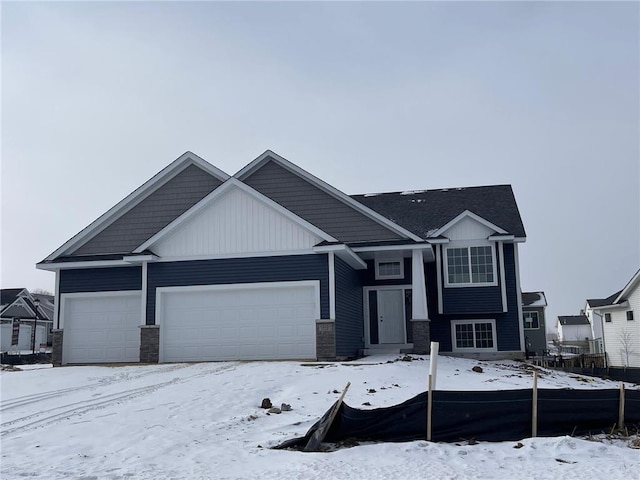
<point x="201" y="421"/>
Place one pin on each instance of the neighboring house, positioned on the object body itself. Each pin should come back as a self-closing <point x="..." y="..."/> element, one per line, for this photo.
<point x="618" y="318"/>
<point x="592" y="312"/>
<point x="533" y="319"/>
<point x="17" y="306"/>
<point x="274" y="263"/>
<point x="574" y="330"/>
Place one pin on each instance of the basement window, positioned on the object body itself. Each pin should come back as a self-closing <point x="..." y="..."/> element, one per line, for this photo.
<point x="473" y="335"/>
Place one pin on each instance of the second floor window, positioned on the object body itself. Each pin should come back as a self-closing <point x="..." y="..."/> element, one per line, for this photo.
<point x="629" y="314"/>
<point x="470" y="265"/>
<point x="531" y="320"/>
<point x="607" y="317"/>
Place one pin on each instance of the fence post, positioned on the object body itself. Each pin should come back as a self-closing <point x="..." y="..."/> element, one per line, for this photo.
<point x="621" y="407"/>
<point x="534" y="403"/>
<point x="429" y="402"/>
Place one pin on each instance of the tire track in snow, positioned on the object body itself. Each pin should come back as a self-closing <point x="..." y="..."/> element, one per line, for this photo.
<point x="37" y="397"/>
<point x="46" y="417"/>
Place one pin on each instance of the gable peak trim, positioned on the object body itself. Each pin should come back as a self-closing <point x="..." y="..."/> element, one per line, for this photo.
<point x="324" y="186"/>
<point x="232" y="182"/>
<point x="134" y="198"/>
<point x="468" y="214"/>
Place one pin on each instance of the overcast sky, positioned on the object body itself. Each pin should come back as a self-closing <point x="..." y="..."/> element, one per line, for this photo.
<point x="370" y="97"/>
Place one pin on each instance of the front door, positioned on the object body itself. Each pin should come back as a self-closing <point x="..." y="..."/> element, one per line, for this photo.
<point x="391" y="316"/>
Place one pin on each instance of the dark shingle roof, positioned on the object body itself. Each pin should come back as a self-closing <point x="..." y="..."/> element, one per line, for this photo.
<point x="573" y="320"/>
<point x="600" y="302"/>
<point x="424" y="212"/>
<point x="9" y="295"/>
<point x="529" y="298"/>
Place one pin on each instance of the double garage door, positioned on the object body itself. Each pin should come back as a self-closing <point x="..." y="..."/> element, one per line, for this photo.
<point x="267" y="321"/>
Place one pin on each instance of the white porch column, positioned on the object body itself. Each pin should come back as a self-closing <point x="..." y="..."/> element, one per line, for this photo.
<point x="418" y="287"/>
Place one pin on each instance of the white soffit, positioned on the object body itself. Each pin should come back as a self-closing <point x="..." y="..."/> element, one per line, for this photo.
<point x="234" y="218"/>
<point x="142" y="192"/>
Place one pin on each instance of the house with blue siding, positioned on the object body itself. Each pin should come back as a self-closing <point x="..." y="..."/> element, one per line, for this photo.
<point x="273" y="263"/>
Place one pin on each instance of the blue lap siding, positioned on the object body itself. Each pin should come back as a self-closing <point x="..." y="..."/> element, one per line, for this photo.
<point x="100" y="279"/>
<point x="471" y="303"/>
<point x="349" y="316"/>
<point x="238" y="270"/>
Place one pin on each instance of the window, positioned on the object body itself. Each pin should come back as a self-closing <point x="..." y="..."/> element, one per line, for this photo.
<point x="470" y="265"/>
<point x="473" y="335"/>
<point x="531" y="320"/>
<point x="629" y="315"/>
<point x="386" y="269"/>
<point x="607" y="317"/>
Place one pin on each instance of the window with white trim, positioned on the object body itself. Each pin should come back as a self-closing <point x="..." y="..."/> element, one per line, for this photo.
<point x="629" y="315"/>
<point x="389" y="269"/>
<point x="607" y="317"/>
<point x="472" y="335"/>
<point x="474" y="265"/>
<point x="531" y="320"/>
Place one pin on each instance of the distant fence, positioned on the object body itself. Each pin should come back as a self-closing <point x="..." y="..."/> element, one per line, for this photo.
<point x="13" y="359"/>
<point x="501" y="415"/>
<point x="631" y="375"/>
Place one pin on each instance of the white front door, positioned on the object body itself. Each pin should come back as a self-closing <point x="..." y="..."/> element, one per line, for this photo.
<point x="391" y="316"/>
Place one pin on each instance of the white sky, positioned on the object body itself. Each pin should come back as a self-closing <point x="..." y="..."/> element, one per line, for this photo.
<point x="370" y="97"/>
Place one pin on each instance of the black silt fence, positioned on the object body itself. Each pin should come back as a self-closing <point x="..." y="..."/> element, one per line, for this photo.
<point x="484" y="416"/>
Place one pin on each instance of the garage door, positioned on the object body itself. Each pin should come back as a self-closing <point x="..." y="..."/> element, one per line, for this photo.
<point x="101" y="328"/>
<point x="249" y="322"/>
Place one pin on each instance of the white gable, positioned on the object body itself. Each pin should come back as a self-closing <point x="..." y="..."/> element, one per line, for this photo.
<point x="235" y="222"/>
<point x="468" y="228"/>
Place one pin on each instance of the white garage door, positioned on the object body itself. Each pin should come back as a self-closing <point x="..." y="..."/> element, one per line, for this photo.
<point x="101" y="328"/>
<point x="249" y="322"/>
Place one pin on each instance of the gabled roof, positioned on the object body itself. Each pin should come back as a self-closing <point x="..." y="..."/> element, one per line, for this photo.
<point x="601" y="302"/>
<point x="426" y="212"/>
<point x="145" y="211"/>
<point x="217" y="193"/>
<point x="534" y="299"/>
<point x="633" y="283"/>
<point x="573" y="320"/>
<point x="347" y="206"/>
<point x="9" y="295"/>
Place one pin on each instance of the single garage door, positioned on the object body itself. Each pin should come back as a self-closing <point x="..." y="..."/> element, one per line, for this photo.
<point x="101" y="328"/>
<point x="249" y="322"/>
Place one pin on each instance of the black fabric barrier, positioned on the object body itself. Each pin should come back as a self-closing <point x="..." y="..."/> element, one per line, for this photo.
<point x="500" y="415"/>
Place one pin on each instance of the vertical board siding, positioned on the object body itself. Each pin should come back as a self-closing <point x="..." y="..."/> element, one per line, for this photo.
<point x="100" y="279"/>
<point x="316" y="206"/>
<point x="349" y="314"/>
<point x="507" y="323"/>
<point x="153" y="213"/>
<point x="238" y="270"/>
<point x="235" y="222"/>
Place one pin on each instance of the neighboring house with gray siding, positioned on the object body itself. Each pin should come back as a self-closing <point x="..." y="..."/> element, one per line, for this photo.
<point x="534" y="305"/>
<point x="25" y="311"/>
<point x="274" y="263"/>
<point x="618" y="320"/>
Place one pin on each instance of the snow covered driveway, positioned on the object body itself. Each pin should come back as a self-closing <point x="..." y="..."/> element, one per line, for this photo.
<point x="201" y="421"/>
